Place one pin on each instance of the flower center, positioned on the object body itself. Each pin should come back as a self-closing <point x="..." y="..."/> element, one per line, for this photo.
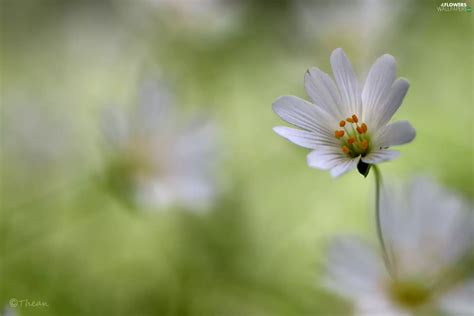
<point x="409" y="294"/>
<point x="355" y="141"/>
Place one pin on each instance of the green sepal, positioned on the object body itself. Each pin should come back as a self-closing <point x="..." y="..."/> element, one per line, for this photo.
<point x="363" y="168"/>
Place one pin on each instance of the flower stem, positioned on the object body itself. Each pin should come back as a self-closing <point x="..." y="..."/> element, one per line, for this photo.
<point x="378" y="185"/>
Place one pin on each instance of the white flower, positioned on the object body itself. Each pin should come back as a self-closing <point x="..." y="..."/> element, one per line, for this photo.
<point x="159" y="161"/>
<point x="428" y="234"/>
<point x="346" y="125"/>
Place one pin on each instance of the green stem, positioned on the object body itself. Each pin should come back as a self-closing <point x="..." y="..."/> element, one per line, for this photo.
<point x="378" y="185"/>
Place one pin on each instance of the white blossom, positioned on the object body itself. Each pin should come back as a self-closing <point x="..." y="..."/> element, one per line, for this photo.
<point x="346" y="124"/>
<point x="163" y="162"/>
<point x="428" y="234"/>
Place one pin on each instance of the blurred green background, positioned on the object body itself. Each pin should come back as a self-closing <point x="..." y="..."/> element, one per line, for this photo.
<point x="260" y="251"/>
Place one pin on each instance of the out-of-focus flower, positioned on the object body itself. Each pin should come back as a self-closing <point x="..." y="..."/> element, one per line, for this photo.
<point x="158" y="161"/>
<point x="347" y="127"/>
<point x="428" y="234"/>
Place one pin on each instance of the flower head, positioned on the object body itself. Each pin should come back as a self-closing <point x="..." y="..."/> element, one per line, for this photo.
<point x="346" y="126"/>
<point x="156" y="159"/>
<point x="428" y="233"/>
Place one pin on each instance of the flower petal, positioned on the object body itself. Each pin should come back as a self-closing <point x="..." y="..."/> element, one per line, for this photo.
<point x="323" y="91"/>
<point x="116" y="126"/>
<point x="346" y="81"/>
<point x="354" y="270"/>
<point x="397" y="133"/>
<point x="199" y="141"/>
<point x="155" y="111"/>
<point x="379" y="156"/>
<point x="459" y="301"/>
<point x="394" y="100"/>
<point x="379" y="304"/>
<point x="325" y="158"/>
<point x="344" y="166"/>
<point x="377" y="87"/>
<point x="302" y="114"/>
<point x="299" y="137"/>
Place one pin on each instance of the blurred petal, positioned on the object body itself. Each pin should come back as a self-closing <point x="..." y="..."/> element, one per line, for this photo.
<point x="354" y="270"/>
<point x="378" y="306"/>
<point x="459" y="301"/>
<point x="115" y="126"/>
<point x="155" y="110"/>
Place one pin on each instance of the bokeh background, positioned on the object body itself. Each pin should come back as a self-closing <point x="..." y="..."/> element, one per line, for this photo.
<point x="67" y="241"/>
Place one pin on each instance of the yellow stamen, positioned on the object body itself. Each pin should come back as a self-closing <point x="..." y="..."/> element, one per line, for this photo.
<point x="345" y="149"/>
<point x="339" y="134"/>
<point x="350" y="120"/>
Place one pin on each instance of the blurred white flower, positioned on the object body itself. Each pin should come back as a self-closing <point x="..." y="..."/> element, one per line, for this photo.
<point x="160" y="162"/>
<point x="347" y="127"/>
<point x="428" y="233"/>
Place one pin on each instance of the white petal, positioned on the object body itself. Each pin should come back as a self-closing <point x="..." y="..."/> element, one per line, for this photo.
<point x="323" y="91"/>
<point x="346" y="81"/>
<point x="194" y="192"/>
<point x="397" y="133"/>
<point x="193" y="150"/>
<point x="354" y="270"/>
<point x="379" y="156"/>
<point x="392" y="103"/>
<point x="155" y="108"/>
<point x="325" y="158"/>
<point x="378" y="305"/>
<point x="115" y="126"/>
<point x="344" y="166"/>
<point x="303" y="114"/>
<point x="299" y="137"/>
<point x="377" y="86"/>
<point x="154" y="193"/>
<point x="199" y="137"/>
<point x="460" y="301"/>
